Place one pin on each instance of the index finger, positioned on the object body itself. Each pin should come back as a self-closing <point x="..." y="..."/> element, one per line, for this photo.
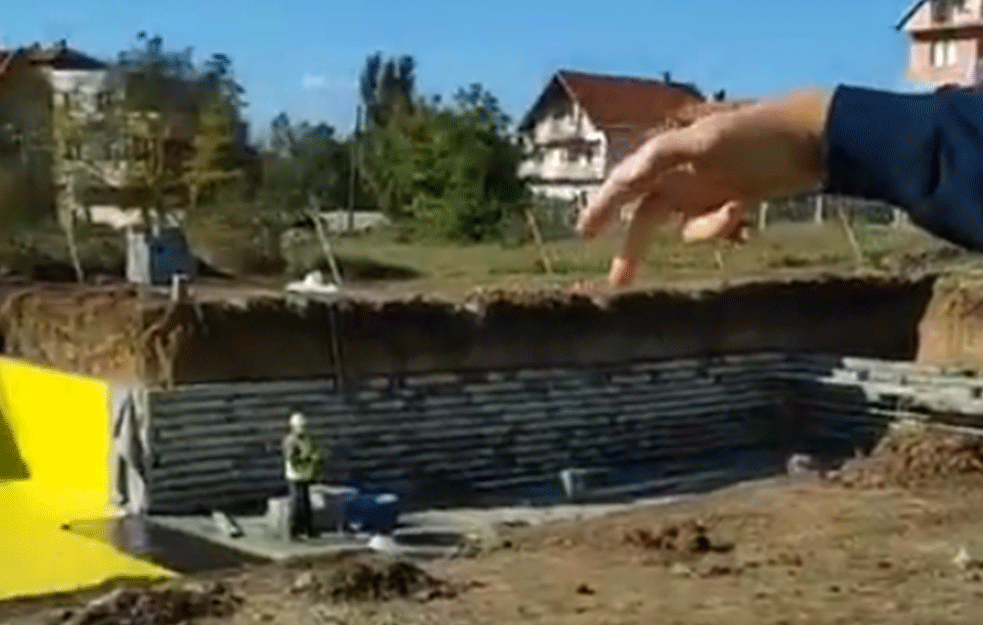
<point x="636" y="175"/>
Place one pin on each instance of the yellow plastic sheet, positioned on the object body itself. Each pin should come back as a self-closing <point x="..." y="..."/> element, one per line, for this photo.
<point x="55" y="450"/>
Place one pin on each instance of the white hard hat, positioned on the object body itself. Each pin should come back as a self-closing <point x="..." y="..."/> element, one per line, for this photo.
<point x="297" y="420"/>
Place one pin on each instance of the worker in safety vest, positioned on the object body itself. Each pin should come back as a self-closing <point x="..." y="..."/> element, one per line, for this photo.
<point x="300" y="464"/>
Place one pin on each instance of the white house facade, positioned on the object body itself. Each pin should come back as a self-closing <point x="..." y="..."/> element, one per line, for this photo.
<point x="583" y="124"/>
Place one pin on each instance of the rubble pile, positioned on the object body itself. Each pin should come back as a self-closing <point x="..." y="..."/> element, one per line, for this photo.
<point x="375" y="578"/>
<point x="916" y="458"/>
<point x="677" y="540"/>
<point x="155" y="606"/>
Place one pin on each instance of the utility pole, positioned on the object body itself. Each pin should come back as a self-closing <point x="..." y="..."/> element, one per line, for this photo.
<point x="353" y="180"/>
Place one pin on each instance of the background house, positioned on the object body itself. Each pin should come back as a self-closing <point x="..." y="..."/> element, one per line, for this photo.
<point x="90" y="155"/>
<point x="945" y="41"/>
<point x="582" y="124"/>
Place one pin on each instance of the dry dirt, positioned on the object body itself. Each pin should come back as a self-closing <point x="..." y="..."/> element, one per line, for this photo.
<point x="802" y="550"/>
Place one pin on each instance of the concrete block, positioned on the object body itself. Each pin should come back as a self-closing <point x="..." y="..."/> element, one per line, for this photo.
<point x="377" y="382"/>
<point x="633" y="380"/>
<point x="277" y="519"/>
<point x="541" y="374"/>
<point x="494" y="387"/>
<point x="392" y="404"/>
<point x="328" y="504"/>
<point x="432" y="379"/>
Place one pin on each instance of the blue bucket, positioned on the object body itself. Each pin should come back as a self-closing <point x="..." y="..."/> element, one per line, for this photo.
<point x="372" y="513"/>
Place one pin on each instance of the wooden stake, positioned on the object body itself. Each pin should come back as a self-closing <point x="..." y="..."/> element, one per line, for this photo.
<point x="538" y="238"/>
<point x="762" y="216"/>
<point x="326" y="247"/>
<point x="851" y="237"/>
<point x="720" y="259"/>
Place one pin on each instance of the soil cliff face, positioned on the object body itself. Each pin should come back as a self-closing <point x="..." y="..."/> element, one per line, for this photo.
<point x="269" y="339"/>
<point x="951" y="331"/>
<point x="114" y="335"/>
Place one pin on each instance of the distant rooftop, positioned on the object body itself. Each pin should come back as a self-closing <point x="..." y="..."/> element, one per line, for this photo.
<point x="619" y="101"/>
<point x="57" y="56"/>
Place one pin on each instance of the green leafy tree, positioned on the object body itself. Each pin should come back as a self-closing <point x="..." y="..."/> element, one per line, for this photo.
<point x="26" y="189"/>
<point x="165" y="132"/>
<point x="306" y="166"/>
<point x="452" y="166"/>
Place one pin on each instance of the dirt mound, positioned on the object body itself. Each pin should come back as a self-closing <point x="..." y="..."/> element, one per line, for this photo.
<point x="154" y="606"/>
<point x="373" y="578"/>
<point x="916" y="458"/>
<point x="677" y="540"/>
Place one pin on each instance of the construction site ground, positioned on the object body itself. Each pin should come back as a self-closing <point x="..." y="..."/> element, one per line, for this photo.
<point x="796" y="550"/>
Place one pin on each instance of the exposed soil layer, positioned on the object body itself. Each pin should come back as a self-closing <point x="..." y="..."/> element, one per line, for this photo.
<point x="917" y="458"/>
<point x="228" y="333"/>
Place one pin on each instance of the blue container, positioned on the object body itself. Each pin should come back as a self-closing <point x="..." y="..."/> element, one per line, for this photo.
<point x="156" y="258"/>
<point x="372" y="513"/>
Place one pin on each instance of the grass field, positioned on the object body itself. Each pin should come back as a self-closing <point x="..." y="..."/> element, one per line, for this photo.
<point x="381" y="262"/>
<point x="783" y="248"/>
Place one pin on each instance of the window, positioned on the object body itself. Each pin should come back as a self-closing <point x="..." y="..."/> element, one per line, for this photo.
<point x="944" y="10"/>
<point x="104" y="100"/>
<point x="573" y="155"/>
<point x="944" y="53"/>
<point x="72" y="150"/>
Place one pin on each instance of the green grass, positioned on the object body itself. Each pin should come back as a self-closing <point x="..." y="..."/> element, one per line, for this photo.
<point x="783" y="247"/>
<point x="381" y="261"/>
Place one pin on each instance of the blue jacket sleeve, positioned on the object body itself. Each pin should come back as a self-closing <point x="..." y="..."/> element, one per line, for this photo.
<point x="922" y="153"/>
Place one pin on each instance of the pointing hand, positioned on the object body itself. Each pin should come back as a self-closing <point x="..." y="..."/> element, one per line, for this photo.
<point x="710" y="173"/>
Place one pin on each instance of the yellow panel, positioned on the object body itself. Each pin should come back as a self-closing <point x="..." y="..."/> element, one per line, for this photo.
<point x="55" y="448"/>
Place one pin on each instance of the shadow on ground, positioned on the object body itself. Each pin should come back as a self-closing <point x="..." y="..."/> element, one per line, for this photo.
<point x="12" y="465"/>
<point x="363" y="269"/>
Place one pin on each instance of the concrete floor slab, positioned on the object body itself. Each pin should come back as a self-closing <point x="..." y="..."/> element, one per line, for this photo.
<point x="259" y="541"/>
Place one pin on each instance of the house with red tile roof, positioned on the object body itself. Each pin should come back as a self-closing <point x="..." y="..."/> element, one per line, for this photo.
<point x="582" y="124"/>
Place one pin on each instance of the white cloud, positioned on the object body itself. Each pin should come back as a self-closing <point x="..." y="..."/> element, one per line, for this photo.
<point x="321" y="82"/>
<point x="313" y="82"/>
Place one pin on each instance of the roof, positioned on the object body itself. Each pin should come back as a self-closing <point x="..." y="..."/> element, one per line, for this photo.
<point x="59" y="56"/>
<point x="623" y="141"/>
<point x="9" y="57"/>
<point x="618" y="101"/>
<point x="909" y="13"/>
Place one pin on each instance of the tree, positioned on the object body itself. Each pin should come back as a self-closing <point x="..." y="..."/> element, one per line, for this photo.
<point x="388" y="91"/>
<point x="453" y="166"/>
<point x="388" y="88"/>
<point x="26" y="190"/>
<point x="162" y="131"/>
<point x="214" y="159"/>
<point x="306" y="164"/>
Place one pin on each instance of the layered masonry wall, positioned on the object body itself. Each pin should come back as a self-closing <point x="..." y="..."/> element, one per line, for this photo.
<point x="461" y="434"/>
<point x="463" y="399"/>
<point x="465" y="434"/>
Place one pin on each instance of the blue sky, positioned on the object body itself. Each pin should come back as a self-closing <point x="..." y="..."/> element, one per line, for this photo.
<point x="303" y="56"/>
